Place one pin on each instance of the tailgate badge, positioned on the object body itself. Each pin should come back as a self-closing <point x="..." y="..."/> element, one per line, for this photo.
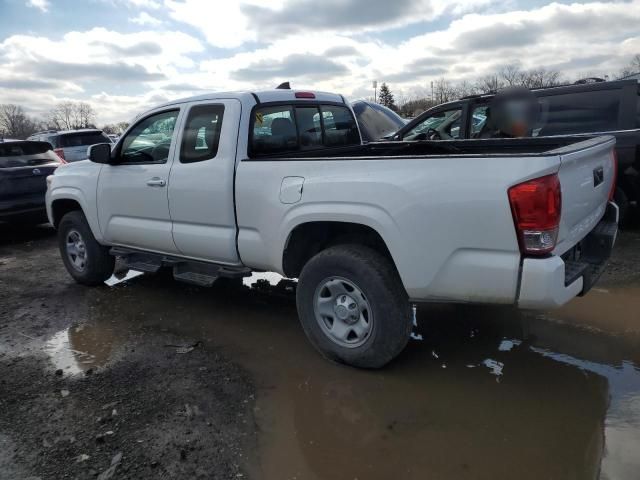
<point x="598" y="176"/>
<point x="36" y="171"/>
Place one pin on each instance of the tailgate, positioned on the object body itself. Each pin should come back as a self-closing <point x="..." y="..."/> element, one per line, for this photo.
<point x="586" y="176"/>
<point x="16" y="182"/>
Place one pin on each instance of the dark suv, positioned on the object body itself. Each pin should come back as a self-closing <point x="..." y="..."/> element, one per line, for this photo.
<point x="24" y="167"/>
<point x="611" y="108"/>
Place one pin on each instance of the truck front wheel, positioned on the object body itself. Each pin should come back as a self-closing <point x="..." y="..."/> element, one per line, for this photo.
<point x="353" y="307"/>
<point x="88" y="262"/>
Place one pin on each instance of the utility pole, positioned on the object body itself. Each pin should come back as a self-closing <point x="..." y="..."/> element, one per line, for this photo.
<point x="432" y="99"/>
<point x="375" y="91"/>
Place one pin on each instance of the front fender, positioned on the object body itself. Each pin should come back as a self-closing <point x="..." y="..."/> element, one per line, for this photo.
<point x="75" y="194"/>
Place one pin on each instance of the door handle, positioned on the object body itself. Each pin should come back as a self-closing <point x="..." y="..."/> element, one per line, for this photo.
<point x="156" y="182"/>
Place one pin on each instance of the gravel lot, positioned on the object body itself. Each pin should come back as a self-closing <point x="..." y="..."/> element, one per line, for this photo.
<point x="155" y="379"/>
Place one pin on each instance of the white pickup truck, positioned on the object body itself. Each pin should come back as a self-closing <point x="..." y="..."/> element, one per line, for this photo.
<point x="224" y="184"/>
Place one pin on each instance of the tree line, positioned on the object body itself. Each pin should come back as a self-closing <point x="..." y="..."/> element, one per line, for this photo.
<point x="16" y="123"/>
<point x="443" y="90"/>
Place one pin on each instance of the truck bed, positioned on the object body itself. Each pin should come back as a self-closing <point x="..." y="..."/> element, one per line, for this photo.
<point x="505" y="147"/>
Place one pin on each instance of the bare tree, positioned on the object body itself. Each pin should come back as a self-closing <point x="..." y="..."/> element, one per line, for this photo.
<point x="444" y="91"/>
<point x="540" y="78"/>
<point x="72" y="115"/>
<point x="14" y="122"/>
<point x="510" y="75"/>
<point x="632" y="68"/>
<point x="115" y="128"/>
<point x="489" y="83"/>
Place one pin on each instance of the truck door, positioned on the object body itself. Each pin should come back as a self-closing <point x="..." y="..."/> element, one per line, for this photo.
<point x="201" y="187"/>
<point x="133" y="207"/>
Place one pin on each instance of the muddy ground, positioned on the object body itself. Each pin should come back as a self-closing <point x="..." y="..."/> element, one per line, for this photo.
<point x="149" y="378"/>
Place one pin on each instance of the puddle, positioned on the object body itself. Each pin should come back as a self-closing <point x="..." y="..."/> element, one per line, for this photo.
<point x="613" y="310"/>
<point x="270" y="277"/>
<point x="520" y="397"/>
<point x="78" y="349"/>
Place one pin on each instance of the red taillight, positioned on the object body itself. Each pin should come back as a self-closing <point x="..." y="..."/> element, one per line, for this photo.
<point x="536" y="206"/>
<point x="614" y="160"/>
<point x="305" y="95"/>
<point x="60" y="153"/>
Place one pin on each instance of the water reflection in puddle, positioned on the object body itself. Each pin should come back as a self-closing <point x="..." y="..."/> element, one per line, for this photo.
<point x="121" y="277"/>
<point x="64" y="357"/>
<point x="79" y="348"/>
<point x="566" y="404"/>
<point x="269" y="277"/>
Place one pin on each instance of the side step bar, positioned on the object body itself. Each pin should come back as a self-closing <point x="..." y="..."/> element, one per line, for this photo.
<point x="191" y="271"/>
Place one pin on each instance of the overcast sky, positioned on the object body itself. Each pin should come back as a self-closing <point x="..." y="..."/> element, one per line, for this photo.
<point x="123" y="56"/>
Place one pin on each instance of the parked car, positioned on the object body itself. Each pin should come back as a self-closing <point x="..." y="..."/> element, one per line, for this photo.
<point x="24" y="167"/>
<point x="71" y="145"/>
<point x="589" y="108"/>
<point x="376" y="121"/>
<point x="283" y="183"/>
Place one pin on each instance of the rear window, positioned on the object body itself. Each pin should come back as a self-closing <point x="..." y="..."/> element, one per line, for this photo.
<point x="595" y="111"/>
<point x="285" y="128"/>
<point x="20" y="154"/>
<point x="82" y="139"/>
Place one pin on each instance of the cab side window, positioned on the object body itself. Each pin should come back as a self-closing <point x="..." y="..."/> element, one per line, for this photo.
<point x="201" y="135"/>
<point x="287" y="128"/>
<point x="274" y="130"/>
<point x="149" y="141"/>
<point x="569" y="113"/>
<point x="478" y="120"/>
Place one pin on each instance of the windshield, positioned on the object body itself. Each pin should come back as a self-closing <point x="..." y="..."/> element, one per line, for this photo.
<point x="376" y="121"/>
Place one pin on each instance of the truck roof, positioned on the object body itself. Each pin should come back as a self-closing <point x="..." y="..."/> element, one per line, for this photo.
<point x="263" y="96"/>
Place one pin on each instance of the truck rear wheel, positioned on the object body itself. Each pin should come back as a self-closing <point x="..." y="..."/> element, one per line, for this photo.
<point x="353" y="307"/>
<point x="88" y="262"/>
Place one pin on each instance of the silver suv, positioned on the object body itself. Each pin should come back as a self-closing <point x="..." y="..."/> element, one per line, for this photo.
<point x="71" y="145"/>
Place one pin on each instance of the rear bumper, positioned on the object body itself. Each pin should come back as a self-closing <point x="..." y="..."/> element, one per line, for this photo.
<point x="553" y="281"/>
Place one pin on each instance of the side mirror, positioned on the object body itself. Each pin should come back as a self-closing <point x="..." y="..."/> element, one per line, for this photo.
<point x="100" y="153"/>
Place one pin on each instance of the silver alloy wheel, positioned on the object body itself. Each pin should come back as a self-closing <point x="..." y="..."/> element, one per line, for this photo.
<point x="343" y="312"/>
<point x="76" y="250"/>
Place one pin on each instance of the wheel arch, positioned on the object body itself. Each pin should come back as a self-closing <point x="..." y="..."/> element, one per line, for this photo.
<point x="60" y="207"/>
<point x="65" y="200"/>
<point x="308" y="238"/>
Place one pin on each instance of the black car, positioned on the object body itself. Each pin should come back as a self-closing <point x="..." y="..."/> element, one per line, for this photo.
<point x="611" y="108"/>
<point x="24" y="167"/>
<point x="376" y="121"/>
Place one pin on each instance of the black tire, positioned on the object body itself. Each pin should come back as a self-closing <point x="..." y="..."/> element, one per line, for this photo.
<point x="622" y="201"/>
<point x="98" y="263"/>
<point x="378" y="280"/>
